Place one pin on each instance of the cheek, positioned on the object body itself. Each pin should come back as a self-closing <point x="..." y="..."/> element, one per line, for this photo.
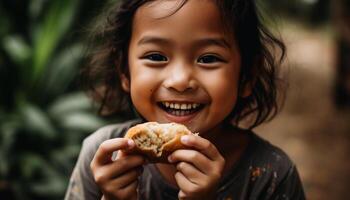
<point x="224" y="92"/>
<point x="143" y="83"/>
<point x="227" y="95"/>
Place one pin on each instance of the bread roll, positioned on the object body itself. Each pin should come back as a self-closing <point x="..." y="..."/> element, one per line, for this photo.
<point x="157" y="141"/>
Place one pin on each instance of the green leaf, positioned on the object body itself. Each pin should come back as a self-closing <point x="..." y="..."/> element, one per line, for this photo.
<point x="63" y="157"/>
<point x="68" y="104"/>
<point x="37" y="121"/>
<point x="50" y="182"/>
<point x="58" y="19"/>
<point x="62" y="70"/>
<point x="17" y="49"/>
<point x="54" y="186"/>
<point x="81" y="122"/>
<point x="35" y="8"/>
<point x="30" y="163"/>
<point x="8" y="131"/>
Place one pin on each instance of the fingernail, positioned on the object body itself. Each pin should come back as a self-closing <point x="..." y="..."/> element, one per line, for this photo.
<point x="184" y="139"/>
<point x="181" y="194"/>
<point x="130" y="144"/>
<point x="170" y="158"/>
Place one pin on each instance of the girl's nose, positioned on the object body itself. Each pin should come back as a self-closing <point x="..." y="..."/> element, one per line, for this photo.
<point x="181" y="78"/>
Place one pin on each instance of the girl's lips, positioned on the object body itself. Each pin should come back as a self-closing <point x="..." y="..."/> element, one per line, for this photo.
<point x="184" y="115"/>
<point x="180" y="119"/>
<point x="180" y="112"/>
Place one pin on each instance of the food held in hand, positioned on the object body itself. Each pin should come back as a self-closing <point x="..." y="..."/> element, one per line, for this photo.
<point x="157" y="141"/>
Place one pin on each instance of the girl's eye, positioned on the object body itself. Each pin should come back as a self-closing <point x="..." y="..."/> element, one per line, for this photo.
<point x="156" y="57"/>
<point x="208" y="59"/>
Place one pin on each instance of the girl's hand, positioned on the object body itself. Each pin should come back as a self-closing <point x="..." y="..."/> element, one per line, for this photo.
<point x="199" y="169"/>
<point x="117" y="178"/>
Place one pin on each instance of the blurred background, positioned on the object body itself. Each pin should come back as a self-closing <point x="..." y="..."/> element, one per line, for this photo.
<point x="44" y="115"/>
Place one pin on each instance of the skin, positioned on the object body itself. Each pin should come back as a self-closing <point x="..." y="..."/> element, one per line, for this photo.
<point x="182" y="57"/>
<point x="117" y="178"/>
<point x="183" y="77"/>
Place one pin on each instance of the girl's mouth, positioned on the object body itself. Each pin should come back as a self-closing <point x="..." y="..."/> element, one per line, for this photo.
<point x="180" y="109"/>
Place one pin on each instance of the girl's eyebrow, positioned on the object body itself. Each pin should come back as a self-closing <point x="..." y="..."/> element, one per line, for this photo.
<point x="217" y="41"/>
<point x="153" y="39"/>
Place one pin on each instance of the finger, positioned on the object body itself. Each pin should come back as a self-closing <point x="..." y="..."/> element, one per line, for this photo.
<point x="201" y="144"/>
<point x="126" y="179"/>
<point x="104" y="153"/>
<point x="190" y="172"/>
<point x="118" y="167"/>
<point x="130" y="191"/>
<point x="123" y="153"/>
<point x="181" y="195"/>
<point x="185" y="185"/>
<point x="194" y="157"/>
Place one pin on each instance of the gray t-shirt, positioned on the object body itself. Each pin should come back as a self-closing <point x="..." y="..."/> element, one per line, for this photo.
<point x="263" y="172"/>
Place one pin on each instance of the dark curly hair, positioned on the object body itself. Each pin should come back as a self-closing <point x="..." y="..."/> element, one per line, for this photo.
<point x="108" y="60"/>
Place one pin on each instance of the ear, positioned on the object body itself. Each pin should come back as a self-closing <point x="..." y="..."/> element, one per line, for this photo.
<point x="125" y="83"/>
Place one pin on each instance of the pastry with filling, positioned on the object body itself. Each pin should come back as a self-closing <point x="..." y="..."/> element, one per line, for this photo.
<point x="157" y="141"/>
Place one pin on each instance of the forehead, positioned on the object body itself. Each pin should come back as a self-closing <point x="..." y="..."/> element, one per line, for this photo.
<point x="194" y="18"/>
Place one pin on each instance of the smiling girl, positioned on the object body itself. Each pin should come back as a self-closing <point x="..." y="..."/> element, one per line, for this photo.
<point x="202" y="63"/>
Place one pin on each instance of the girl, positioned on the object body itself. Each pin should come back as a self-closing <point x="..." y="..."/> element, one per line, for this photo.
<point x="205" y="64"/>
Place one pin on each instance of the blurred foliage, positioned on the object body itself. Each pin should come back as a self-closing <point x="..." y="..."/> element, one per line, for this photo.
<point x="43" y="115"/>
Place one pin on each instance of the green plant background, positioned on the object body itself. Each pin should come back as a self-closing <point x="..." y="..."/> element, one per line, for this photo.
<point x="44" y="116"/>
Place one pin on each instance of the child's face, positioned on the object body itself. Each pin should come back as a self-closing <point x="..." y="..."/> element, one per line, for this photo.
<point x="184" y="60"/>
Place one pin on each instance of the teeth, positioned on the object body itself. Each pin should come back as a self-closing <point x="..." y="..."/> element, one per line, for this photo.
<point x="180" y="112"/>
<point x="179" y="106"/>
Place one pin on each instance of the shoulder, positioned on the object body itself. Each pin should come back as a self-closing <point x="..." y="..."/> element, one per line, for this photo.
<point x="271" y="170"/>
<point x="268" y="155"/>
